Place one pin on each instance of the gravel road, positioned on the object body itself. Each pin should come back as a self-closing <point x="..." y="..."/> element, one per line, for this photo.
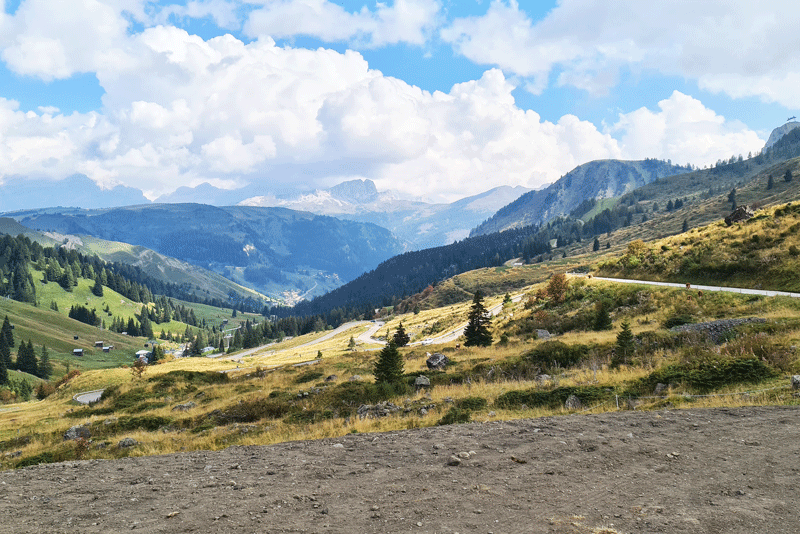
<point x="688" y="471"/>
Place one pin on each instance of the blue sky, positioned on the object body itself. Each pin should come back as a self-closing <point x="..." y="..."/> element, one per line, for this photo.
<point x="435" y="99"/>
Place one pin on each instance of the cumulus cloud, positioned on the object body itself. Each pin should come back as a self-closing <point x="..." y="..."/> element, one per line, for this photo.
<point x="228" y="112"/>
<point x="405" y="21"/>
<point x="740" y="48"/>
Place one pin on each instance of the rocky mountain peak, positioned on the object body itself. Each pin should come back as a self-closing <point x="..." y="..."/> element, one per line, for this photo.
<point x="355" y="191"/>
<point x="779" y="132"/>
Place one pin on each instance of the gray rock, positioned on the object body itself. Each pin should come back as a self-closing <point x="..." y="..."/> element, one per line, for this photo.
<point x="77" y="432"/>
<point x="127" y="442"/>
<point x="331" y="378"/>
<point x="795" y="381"/>
<point x="541" y="379"/>
<point x="422" y="381"/>
<point x="742" y="213"/>
<point x="437" y="361"/>
<point x="543" y="334"/>
<point x="454" y="461"/>
<point x="660" y="389"/>
<point x="573" y="403"/>
<point x="184" y="407"/>
<point x="355" y="378"/>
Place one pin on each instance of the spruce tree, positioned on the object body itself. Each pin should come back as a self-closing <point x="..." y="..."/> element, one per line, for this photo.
<point x="26" y="358"/>
<point x="477" y="331"/>
<point x="788" y="176"/>
<point x="389" y="367"/>
<point x="97" y="288"/>
<point x="596" y="245"/>
<point x="602" y="320"/>
<point x="7" y="333"/>
<point x="685" y="227"/>
<point x="5" y="353"/>
<point x="401" y="338"/>
<point x="625" y="345"/>
<point x="770" y="182"/>
<point x="3" y="373"/>
<point x="45" y="368"/>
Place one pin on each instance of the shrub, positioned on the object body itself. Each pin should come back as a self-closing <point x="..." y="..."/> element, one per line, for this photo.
<point x="251" y="410"/>
<point x="308" y="376"/>
<point x="454" y="416"/>
<point x="704" y="375"/>
<point x="192" y="377"/>
<point x="552" y="355"/>
<point x="554" y="398"/>
<point x="471" y="403"/>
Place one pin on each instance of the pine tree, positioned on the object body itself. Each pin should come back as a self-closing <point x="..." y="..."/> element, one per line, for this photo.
<point x="596" y="245"/>
<point x="97" y="288"/>
<point x="685" y="227"/>
<point x="401" y="338"/>
<point x="7" y="332"/>
<point x="770" y="182"/>
<point x="3" y="373"/>
<point x="477" y="331"/>
<point x="5" y="353"/>
<point x="351" y="344"/>
<point x="26" y="358"/>
<point x="45" y="368"/>
<point x="389" y="367"/>
<point x="788" y="176"/>
<point x="602" y="320"/>
<point x="625" y="345"/>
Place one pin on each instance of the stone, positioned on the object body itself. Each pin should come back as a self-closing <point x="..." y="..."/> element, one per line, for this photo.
<point x="542" y="378"/>
<point x="660" y="389"/>
<point x="573" y="403"/>
<point x="437" y="361"/>
<point x="184" y="407"/>
<point x="354" y="378"/>
<point x="331" y="378"/>
<point x="77" y="432"/>
<point x="127" y="442"/>
<point x="422" y="381"/>
<point x="454" y="461"/>
<point x="742" y="213"/>
<point x="543" y="334"/>
<point x="795" y="381"/>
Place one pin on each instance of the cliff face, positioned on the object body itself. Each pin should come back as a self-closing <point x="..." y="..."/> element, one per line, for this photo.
<point x="779" y="132"/>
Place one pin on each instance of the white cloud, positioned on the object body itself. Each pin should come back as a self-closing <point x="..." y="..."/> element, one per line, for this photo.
<point x="740" y="48"/>
<point x="180" y="110"/>
<point x="405" y="21"/>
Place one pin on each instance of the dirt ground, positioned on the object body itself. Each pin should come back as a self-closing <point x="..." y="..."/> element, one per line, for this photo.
<point x="720" y="470"/>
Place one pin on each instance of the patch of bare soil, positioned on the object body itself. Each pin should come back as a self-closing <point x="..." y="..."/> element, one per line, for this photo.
<point x="721" y="470"/>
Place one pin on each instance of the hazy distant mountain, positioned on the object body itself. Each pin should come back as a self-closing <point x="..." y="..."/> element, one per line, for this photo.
<point x="418" y="224"/>
<point x="273" y="250"/>
<point x="596" y="179"/>
<point x="78" y="190"/>
<point x="779" y="132"/>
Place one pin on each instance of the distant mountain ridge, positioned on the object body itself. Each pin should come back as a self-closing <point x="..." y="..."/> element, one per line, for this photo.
<point x="779" y="132"/>
<point x="275" y="251"/>
<point x="596" y="179"/>
<point x="78" y="190"/>
<point x="419" y="225"/>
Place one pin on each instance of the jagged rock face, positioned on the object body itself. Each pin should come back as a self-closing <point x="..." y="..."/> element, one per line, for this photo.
<point x="358" y="191"/>
<point x="779" y="132"/>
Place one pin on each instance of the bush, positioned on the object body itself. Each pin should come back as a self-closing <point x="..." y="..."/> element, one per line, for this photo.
<point x="308" y="376"/>
<point x="552" y="355"/>
<point x="149" y="423"/>
<point x="44" y="390"/>
<point x="255" y="409"/>
<point x="555" y="398"/>
<point x="454" y="416"/>
<point x="708" y="374"/>
<point x="677" y="320"/>
<point x="192" y="377"/>
<point x="471" y="403"/>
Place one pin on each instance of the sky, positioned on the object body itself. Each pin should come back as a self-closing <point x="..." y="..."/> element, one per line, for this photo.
<point x="436" y="99"/>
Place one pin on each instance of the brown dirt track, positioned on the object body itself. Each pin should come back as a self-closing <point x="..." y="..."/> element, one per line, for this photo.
<point x="718" y="470"/>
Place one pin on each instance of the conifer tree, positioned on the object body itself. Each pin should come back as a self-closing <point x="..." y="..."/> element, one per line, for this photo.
<point x="26" y="358"/>
<point x="97" y="288"/>
<point x="45" y="368"/>
<point x="401" y="338"/>
<point x="770" y="182"/>
<point x="389" y="367"/>
<point x="477" y="331"/>
<point x="7" y="332"/>
<point x="602" y="320"/>
<point x="5" y="353"/>
<point x="788" y="176"/>
<point x="3" y="373"/>
<point x="625" y="345"/>
<point x="596" y="245"/>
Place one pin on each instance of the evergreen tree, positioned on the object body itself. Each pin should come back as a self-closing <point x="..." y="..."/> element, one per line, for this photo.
<point x="45" y="368"/>
<point x="770" y="182"/>
<point x="401" y="338"/>
<point x="389" y="367"/>
<point x="685" y="227"/>
<point x="3" y="373"/>
<point x="788" y="176"/>
<point x="26" y="358"/>
<point x="625" y="345"/>
<point x="7" y="332"/>
<point x="602" y="320"/>
<point x="5" y="356"/>
<point x="596" y="245"/>
<point x="478" y="321"/>
<point x="97" y="288"/>
<point x="351" y="344"/>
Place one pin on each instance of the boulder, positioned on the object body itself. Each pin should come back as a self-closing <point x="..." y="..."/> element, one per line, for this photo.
<point x="184" y="407"/>
<point x="660" y="389"/>
<point x="127" y="442"/>
<point x="422" y="381"/>
<point x="437" y="361"/>
<point x="742" y="213"/>
<point x="331" y="378"/>
<point x="795" y="381"/>
<point x="543" y="334"/>
<point x="77" y="432"/>
<point x="355" y="378"/>
<point x="573" y="403"/>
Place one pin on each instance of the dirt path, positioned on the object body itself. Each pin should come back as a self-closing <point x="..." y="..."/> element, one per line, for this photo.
<point x="711" y="471"/>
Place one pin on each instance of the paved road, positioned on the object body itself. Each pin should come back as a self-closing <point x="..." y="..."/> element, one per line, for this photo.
<point x="745" y="291"/>
<point x="88" y="397"/>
